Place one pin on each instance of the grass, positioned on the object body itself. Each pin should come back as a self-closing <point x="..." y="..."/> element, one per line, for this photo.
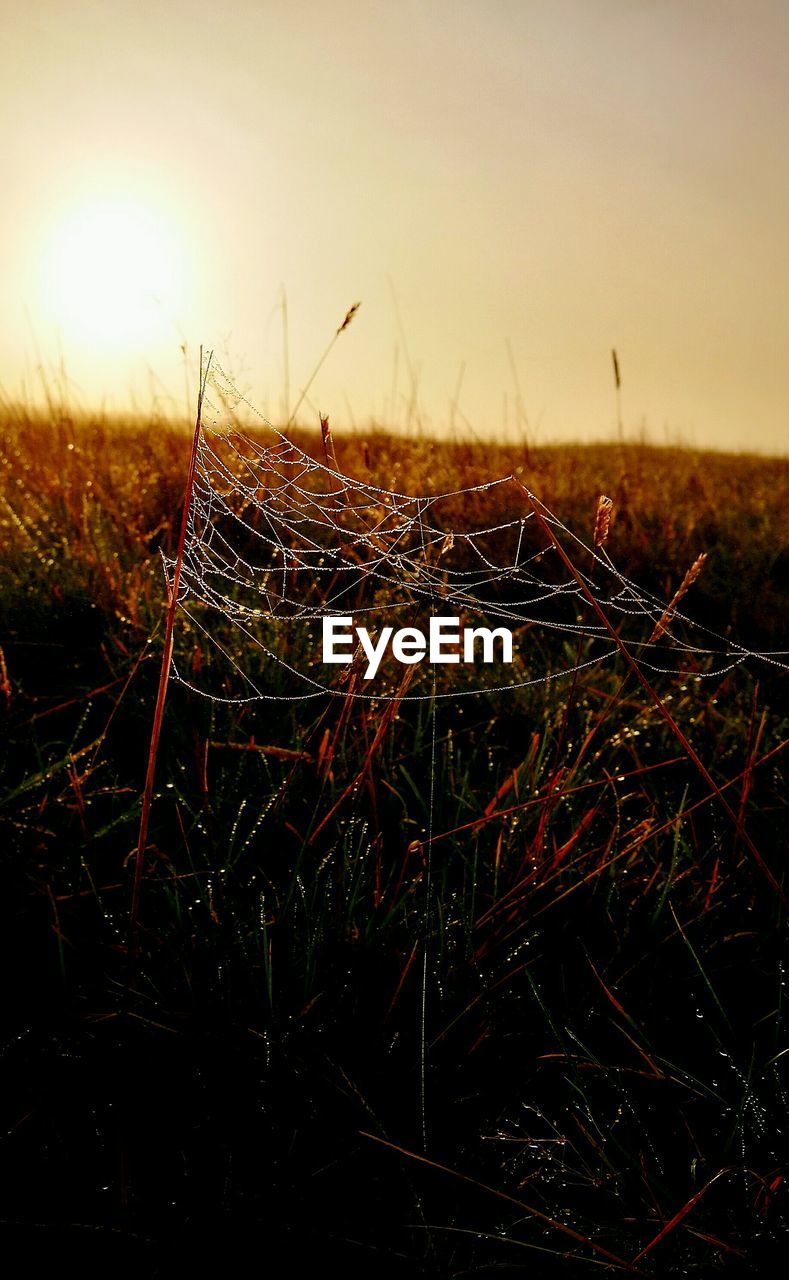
<point x="605" y="1067"/>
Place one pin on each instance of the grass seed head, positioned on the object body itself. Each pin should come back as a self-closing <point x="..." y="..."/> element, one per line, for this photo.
<point x="350" y="313"/>
<point x="602" y="519"/>
<point x="685" y="585"/>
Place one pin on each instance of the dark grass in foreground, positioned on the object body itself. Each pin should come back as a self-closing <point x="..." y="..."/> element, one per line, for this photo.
<point x="605" y="1018"/>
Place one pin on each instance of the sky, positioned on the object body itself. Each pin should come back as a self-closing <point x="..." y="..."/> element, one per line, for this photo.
<point x="511" y="189"/>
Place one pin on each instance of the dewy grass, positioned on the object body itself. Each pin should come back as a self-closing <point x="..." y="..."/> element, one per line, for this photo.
<point x="606" y="1002"/>
<point x="167" y="652"/>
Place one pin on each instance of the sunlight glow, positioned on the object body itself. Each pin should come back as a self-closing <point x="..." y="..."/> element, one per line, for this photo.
<point x="114" y="274"/>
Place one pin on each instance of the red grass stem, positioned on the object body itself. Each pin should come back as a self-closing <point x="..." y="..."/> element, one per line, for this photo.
<point x="653" y="696"/>
<point x="167" y="651"/>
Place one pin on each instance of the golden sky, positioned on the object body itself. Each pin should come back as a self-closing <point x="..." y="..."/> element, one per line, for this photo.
<point x="546" y="178"/>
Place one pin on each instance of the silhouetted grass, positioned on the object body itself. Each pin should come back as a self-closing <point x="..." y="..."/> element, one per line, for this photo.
<point x="606" y="987"/>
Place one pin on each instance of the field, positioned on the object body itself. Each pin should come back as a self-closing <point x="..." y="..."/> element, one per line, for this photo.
<point x="587" y="1074"/>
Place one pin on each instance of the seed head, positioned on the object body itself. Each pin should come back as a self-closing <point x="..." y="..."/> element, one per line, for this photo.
<point x="602" y="519"/>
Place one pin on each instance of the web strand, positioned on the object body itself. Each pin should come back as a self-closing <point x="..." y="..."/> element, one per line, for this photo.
<point x="278" y="540"/>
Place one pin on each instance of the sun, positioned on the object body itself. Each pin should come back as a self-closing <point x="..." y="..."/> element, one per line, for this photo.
<point x="113" y="274"/>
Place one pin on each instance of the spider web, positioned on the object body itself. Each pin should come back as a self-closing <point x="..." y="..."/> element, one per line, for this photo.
<point x="277" y="540"/>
